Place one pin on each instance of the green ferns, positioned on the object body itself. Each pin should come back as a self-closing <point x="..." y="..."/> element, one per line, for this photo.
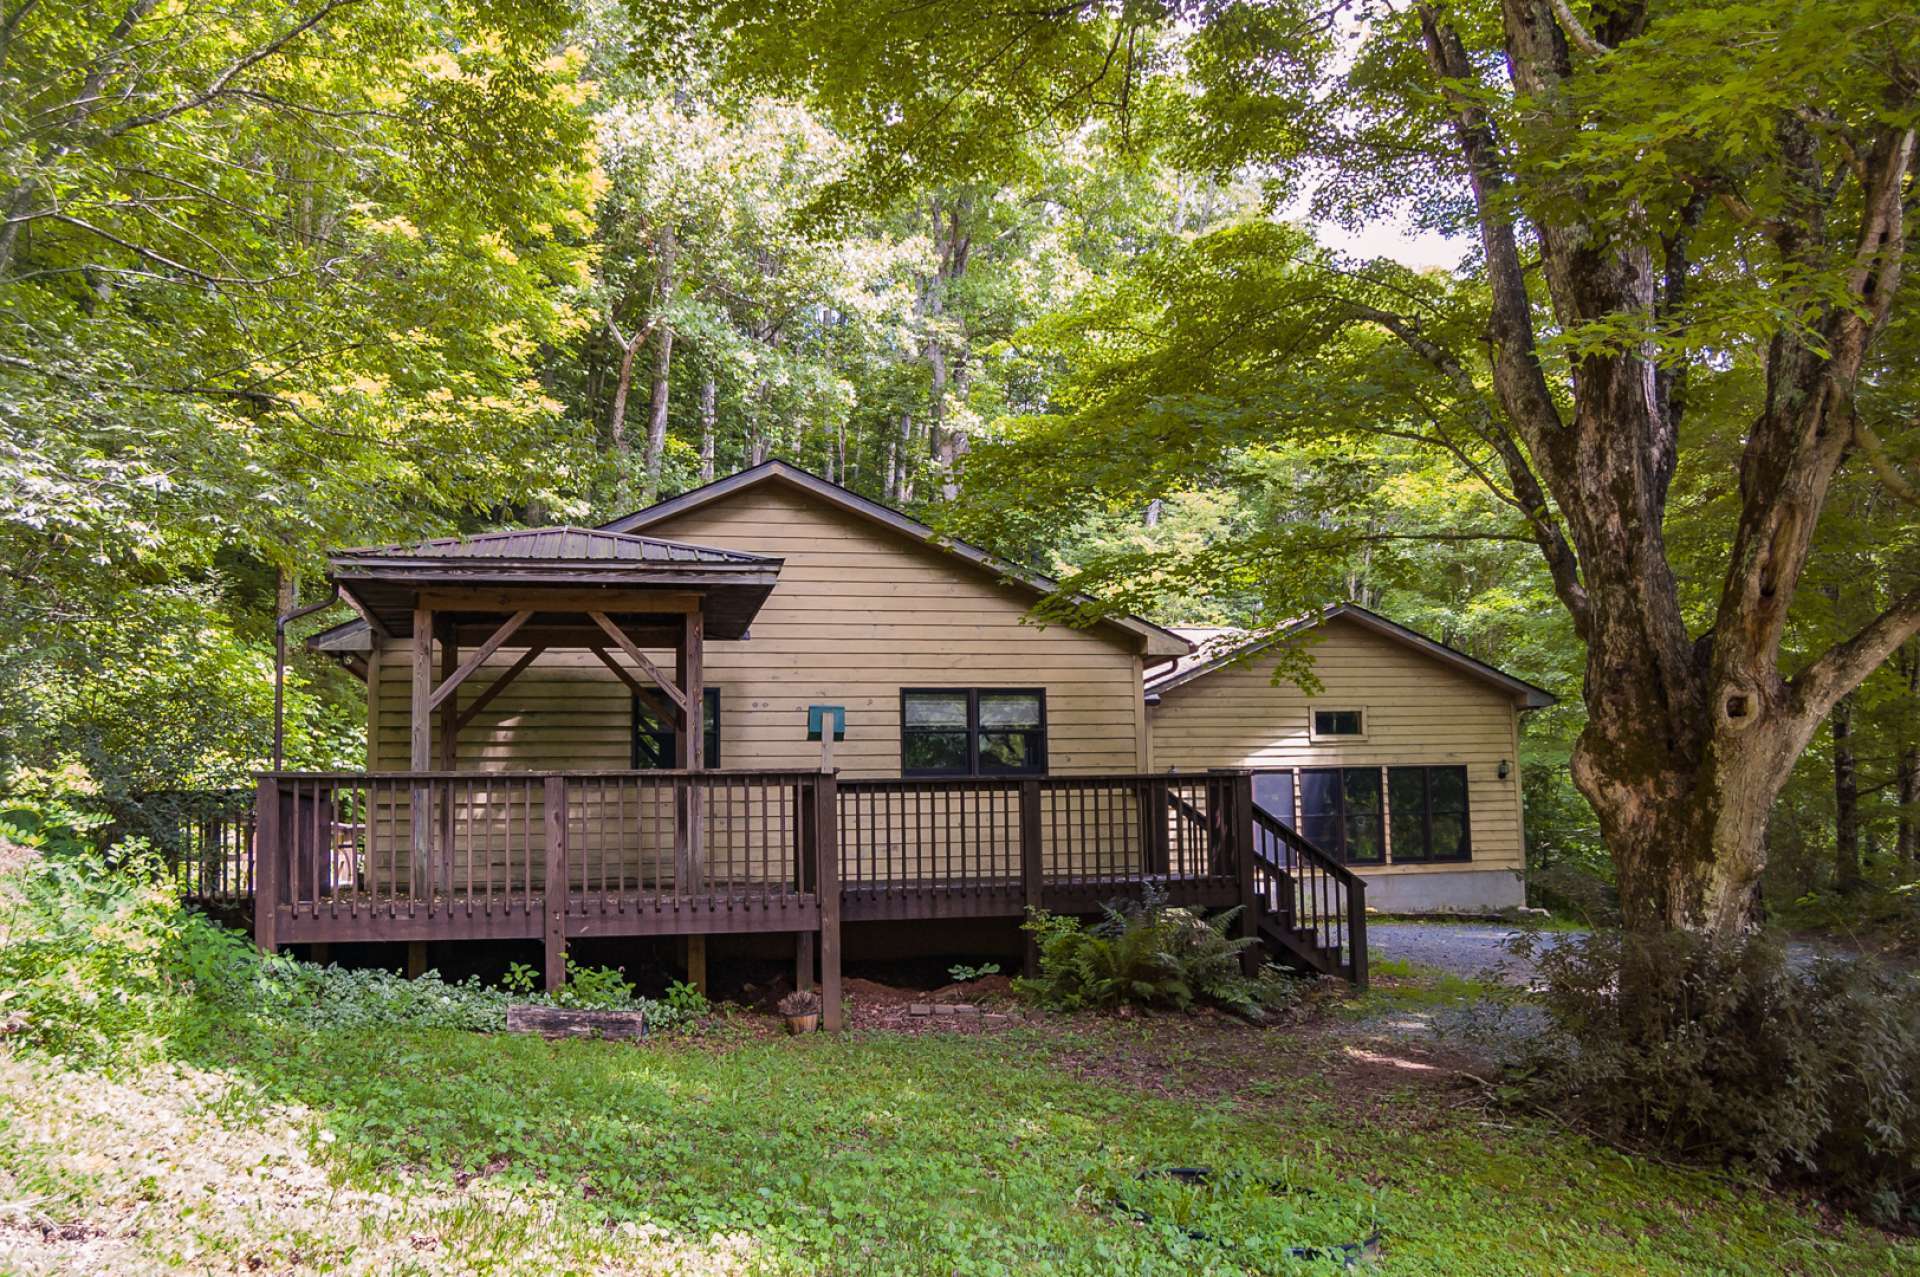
<point x="1148" y="954"/>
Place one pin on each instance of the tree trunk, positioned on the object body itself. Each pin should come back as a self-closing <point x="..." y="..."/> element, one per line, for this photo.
<point x="709" y="420"/>
<point x="1906" y="778"/>
<point x="1846" y="799"/>
<point x="662" y="366"/>
<point x="623" y="384"/>
<point x="903" y="478"/>
<point x="1688" y="741"/>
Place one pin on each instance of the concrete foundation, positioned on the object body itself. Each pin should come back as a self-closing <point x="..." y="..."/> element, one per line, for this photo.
<point x="1452" y="891"/>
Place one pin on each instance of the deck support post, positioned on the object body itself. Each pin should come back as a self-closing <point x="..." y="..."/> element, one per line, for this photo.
<point x="697" y="962"/>
<point x="449" y="755"/>
<point x="826" y="877"/>
<point x="689" y="744"/>
<point x="1159" y="811"/>
<point x="266" y="865"/>
<point x="803" y="961"/>
<point x="554" y="890"/>
<point x="1240" y="832"/>
<point x="416" y="959"/>
<point x="420" y="752"/>
<point x="1032" y="870"/>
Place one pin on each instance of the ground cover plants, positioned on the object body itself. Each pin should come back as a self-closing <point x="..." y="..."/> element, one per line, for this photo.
<point x="195" y="1132"/>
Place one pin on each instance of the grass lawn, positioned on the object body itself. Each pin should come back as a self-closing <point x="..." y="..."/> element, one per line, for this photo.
<point x="262" y="1149"/>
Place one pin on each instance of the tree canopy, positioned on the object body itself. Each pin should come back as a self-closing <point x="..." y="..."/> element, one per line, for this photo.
<point x="1058" y="279"/>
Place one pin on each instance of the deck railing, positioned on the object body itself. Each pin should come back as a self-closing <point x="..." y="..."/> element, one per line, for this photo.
<point x="204" y="838"/>
<point x="1308" y="892"/>
<point x="436" y="855"/>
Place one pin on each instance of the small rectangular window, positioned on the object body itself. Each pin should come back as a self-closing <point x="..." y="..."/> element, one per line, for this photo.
<point x="972" y="731"/>
<point x="653" y="740"/>
<point x="1337" y="724"/>
<point x="1429" y="813"/>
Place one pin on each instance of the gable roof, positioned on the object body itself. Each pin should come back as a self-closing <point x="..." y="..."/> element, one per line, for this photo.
<point x="1215" y="648"/>
<point x="1157" y="641"/>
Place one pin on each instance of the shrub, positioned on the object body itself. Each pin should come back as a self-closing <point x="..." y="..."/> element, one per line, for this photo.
<point x="1726" y="1053"/>
<point x="1149" y="955"/>
<point x="97" y="958"/>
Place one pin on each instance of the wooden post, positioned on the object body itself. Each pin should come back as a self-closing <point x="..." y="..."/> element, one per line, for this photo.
<point x="826" y="877"/>
<point x="419" y="751"/>
<point x="697" y="962"/>
<point x="416" y="959"/>
<point x="266" y="865"/>
<point x="803" y="960"/>
<point x="554" y="893"/>
<point x="689" y="662"/>
<point x="1033" y="868"/>
<point x="1158" y="813"/>
<point x="449" y="756"/>
<point x="1357" y="930"/>
<point x="1241" y="842"/>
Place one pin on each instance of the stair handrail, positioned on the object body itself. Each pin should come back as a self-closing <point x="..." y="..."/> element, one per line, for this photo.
<point x="1353" y="958"/>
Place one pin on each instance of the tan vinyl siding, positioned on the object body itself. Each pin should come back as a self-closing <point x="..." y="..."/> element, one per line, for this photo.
<point x="860" y="612"/>
<point x="1418" y="712"/>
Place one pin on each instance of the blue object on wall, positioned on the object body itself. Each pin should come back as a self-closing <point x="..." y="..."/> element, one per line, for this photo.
<point x="817" y="716"/>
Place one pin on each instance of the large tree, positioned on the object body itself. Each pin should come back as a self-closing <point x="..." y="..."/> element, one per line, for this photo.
<point x="1663" y="196"/>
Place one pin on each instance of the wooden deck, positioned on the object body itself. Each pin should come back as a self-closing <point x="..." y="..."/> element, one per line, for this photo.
<point x="462" y="856"/>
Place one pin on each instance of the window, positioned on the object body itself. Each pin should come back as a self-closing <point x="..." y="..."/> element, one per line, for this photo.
<point x="1340" y="812"/>
<point x="1273" y="794"/>
<point x="1429" y="806"/>
<point x="653" y="743"/>
<point x="1336" y="724"/>
<point x="958" y="731"/>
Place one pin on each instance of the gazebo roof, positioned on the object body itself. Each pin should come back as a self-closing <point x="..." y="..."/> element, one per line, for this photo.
<point x="562" y="571"/>
<point x="563" y="545"/>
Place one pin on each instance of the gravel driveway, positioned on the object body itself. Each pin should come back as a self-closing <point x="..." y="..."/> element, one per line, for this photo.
<point x="1474" y="949"/>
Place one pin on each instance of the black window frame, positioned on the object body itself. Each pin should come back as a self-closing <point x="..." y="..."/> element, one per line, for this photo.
<point x="1343" y="817"/>
<point x="973" y="731"/>
<point x="1424" y="855"/>
<point x="710" y="744"/>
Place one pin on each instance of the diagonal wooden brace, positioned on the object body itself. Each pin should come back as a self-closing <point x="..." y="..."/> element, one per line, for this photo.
<point x="639" y="658"/>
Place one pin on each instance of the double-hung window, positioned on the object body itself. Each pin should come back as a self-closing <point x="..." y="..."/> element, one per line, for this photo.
<point x="1429" y="806"/>
<point x="961" y="731"/>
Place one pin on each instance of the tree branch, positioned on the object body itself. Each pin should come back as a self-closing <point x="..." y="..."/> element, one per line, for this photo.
<point x="236" y="68"/>
<point x="1845" y="665"/>
<point x="1582" y="38"/>
<point x="1875" y="450"/>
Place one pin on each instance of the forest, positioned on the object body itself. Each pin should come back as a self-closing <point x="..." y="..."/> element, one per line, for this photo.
<point x="1219" y="311"/>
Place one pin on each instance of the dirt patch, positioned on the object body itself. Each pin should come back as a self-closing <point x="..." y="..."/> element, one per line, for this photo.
<point x="987" y="989"/>
<point x="1209" y="1055"/>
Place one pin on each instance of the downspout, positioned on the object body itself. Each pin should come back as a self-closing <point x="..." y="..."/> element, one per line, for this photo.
<point x="280" y="669"/>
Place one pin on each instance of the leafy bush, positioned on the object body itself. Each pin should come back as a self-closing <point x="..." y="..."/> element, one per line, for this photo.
<point x="1148" y="954"/>
<point x="1726" y="1053"/>
<point x="99" y="958"/>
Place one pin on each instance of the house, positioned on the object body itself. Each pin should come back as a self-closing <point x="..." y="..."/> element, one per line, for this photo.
<point x="1404" y="764"/>
<point x="771" y="708"/>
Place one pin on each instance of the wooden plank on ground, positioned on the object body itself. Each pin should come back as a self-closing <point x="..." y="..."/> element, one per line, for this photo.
<point x="562" y="1022"/>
